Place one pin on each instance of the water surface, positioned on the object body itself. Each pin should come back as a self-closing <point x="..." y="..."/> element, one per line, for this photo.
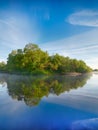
<point x="50" y="103"/>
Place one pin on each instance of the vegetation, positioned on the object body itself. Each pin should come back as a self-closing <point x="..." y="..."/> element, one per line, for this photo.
<point x="95" y="70"/>
<point x="2" y="66"/>
<point x="32" y="60"/>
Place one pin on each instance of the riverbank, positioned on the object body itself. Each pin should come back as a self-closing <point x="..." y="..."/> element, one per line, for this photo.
<point x="73" y="74"/>
<point x="43" y="74"/>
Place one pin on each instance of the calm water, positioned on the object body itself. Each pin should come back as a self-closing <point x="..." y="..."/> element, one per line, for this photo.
<point x="49" y="103"/>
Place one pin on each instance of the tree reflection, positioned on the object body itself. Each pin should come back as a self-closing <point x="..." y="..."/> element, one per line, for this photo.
<point x="32" y="89"/>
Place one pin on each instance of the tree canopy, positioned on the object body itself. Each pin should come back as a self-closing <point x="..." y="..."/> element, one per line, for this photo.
<point x="32" y="60"/>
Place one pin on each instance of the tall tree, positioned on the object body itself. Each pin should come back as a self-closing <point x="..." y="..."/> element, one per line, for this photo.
<point x="31" y="46"/>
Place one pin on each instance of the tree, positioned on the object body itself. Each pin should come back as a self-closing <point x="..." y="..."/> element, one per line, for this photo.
<point x="19" y="51"/>
<point x="31" y="46"/>
<point x="2" y="66"/>
<point x="33" y="60"/>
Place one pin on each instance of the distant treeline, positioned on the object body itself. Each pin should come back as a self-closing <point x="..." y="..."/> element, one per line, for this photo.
<point x="32" y="60"/>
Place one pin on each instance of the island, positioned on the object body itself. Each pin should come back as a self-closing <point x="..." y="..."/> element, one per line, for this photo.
<point x="33" y="60"/>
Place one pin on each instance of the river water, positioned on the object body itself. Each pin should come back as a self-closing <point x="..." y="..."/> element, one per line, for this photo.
<point x="49" y="102"/>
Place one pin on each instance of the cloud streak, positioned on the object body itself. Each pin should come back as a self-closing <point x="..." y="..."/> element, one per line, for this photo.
<point x="15" y="32"/>
<point x="84" y="18"/>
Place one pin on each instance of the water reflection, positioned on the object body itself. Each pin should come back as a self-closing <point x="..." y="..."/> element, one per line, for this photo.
<point x="32" y="89"/>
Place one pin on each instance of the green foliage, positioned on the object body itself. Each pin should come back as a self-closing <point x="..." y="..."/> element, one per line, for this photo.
<point x="32" y="47"/>
<point x="2" y="66"/>
<point x="32" y="60"/>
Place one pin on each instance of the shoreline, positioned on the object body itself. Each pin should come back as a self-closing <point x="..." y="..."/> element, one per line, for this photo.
<point x="52" y="74"/>
<point x="74" y="74"/>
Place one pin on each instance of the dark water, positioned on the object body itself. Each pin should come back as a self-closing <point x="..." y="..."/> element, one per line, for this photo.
<point x="49" y="103"/>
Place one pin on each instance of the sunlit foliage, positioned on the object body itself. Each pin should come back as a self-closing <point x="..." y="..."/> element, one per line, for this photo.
<point x="32" y="60"/>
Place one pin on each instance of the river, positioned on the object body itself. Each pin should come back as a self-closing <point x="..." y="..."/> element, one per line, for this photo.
<point x="49" y="102"/>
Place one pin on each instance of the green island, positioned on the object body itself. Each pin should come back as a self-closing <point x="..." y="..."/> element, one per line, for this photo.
<point x="32" y="60"/>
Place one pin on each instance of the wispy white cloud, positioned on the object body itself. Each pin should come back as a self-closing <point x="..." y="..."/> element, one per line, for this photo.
<point x="84" y="18"/>
<point x="15" y="32"/>
<point x="85" y="49"/>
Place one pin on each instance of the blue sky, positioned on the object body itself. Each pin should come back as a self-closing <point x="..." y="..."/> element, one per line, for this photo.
<point x="67" y="27"/>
